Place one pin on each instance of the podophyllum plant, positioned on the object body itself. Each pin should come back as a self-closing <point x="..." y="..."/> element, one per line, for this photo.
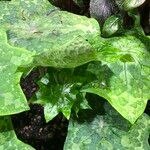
<point x="79" y="61"/>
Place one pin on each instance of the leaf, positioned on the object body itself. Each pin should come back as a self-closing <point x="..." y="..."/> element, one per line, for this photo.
<point x="108" y="132"/>
<point x="110" y="26"/>
<point x="12" y="99"/>
<point x="102" y="9"/>
<point x="13" y="11"/>
<point x="59" y="92"/>
<point x="129" y="4"/>
<point x="117" y="48"/>
<point x="8" y="138"/>
<point x="59" y="38"/>
<point x="124" y="83"/>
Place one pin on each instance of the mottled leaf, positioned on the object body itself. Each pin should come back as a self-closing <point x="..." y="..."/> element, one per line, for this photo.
<point x="15" y="10"/>
<point x="125" y="83"/>
<point x="11" y="96"/>
<point x="108" y="132"/>
<point x="60" y="39"/>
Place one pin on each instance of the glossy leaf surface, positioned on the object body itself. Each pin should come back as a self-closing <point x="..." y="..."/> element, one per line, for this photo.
<point x="60" y="92"/>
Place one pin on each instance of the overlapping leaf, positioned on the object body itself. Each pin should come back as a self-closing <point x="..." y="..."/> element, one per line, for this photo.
<point x="60" y="39"/>
<point x="8" y="139"/>
<point x="15" y="10"/>
<point x="129" y="4"/>
<point x="108" y="132"/>
<point x="12" y="99"/>
<point x="60" y="92"/>
<point x="111" y="26"/>
<point x="125" y="83"/>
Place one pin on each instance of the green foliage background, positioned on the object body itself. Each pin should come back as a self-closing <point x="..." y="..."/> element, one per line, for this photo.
<point x="80" y="61"/>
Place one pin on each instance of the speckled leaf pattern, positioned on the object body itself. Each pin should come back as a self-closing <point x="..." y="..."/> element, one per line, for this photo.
<point x="125" y="48"/>
<point x="12" y="99"/>
<point x="108" y="132"/>
<point x="60" y="39"/>
<point x="126" y="83"/>
<point x="59" y="92"/>
<point x="8" y="139"/>
<point x="15" y="10"/>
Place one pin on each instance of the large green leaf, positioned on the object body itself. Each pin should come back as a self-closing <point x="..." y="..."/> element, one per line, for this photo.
<point x="60" y="39"/>
<point x="125" y="83"/>
<point x="60" y="92"/>
<point x="12" y="99"/>
<point x="125" y="48"/>
<point x="8" y="139"/>
<point x="108" y="132"/>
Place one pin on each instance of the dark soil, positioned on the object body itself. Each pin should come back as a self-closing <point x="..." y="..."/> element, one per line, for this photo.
<point x="31" y="128"/>
<point x="71" y="6"/>
<point x="144" y="11"/>
<point x="29" y="85"/>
